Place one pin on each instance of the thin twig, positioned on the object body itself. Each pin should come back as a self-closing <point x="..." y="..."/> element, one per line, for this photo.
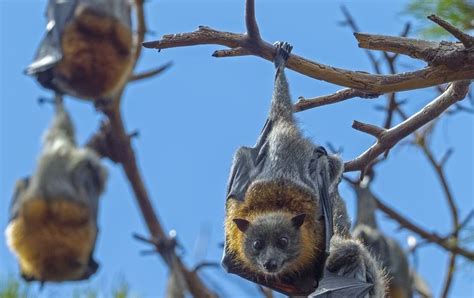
<point x="428" y="236"/>
<point x="353" y="25"/>
<point x="150" y="73"/>
<point x="341" y="95"/>
<point x="466" y="39"/>
<point x="449" y="275"/>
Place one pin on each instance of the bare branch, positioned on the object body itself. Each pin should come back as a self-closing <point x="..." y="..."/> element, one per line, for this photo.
<point x="429" y="76"/>
<point x="428" y="236"/>
<point x="150" y="73"/>
<point x="466" y="39"/>
<point x="352" y="24"/>
<point x="341" y="95"/>
<point x="370" y="129"/>
<point x="114" y="142"/>
<point x="235" y="52"/>
<point x="415" y="48"/>
<point x="449" y="275"/>
<point x="251" y="21"/>
<point x="452" y="55"/>
<point x="455" y="92"/>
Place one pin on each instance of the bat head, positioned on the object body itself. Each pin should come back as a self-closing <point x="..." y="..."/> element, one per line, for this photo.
<point x="271" y="242"/>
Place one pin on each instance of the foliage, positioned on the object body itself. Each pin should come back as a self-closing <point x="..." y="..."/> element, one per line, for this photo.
<point x="458" y="12"/>
<point x="12" y="288"/>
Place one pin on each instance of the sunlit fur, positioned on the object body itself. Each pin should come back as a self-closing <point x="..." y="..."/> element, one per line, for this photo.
<point x="97" y="54"/>
<point x="52" y="239"/>
<point x="265" y="198"/>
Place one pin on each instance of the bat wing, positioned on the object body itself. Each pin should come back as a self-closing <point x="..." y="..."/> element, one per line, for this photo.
<point x="333" y="285"/>
<point x="20" y="188"/>
<point x="246" y="165"/>
<point x="49" y="53"/>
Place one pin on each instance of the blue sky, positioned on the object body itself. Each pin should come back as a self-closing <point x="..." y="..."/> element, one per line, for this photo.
<point x="192" y="118"/>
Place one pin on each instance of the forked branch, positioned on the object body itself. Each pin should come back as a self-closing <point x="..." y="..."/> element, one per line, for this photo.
<point x="454" y="93"/>
<point x="252" y="44"/>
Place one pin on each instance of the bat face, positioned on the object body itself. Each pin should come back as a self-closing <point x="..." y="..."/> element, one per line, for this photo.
<point x="87" y="52"/>
<point x="53" y="240"/>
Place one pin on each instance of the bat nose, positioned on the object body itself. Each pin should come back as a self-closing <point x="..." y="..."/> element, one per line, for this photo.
<point x="270" y="265"/>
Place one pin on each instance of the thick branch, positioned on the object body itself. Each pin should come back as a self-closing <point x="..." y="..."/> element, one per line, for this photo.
<point x="341" y="95"/>
<point x="429" y="76"/>
<point x="453" y="55"/>
<point x="430" y="237"/>
<point x="455" y="92"/>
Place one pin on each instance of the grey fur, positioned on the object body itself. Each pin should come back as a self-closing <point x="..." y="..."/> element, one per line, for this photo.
<point x="64" y="170"/>
<point x="390" y="255"/>
<point x="283" y="154"/>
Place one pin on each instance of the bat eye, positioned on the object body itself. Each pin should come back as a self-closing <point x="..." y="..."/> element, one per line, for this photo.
<point x="283" y="242"/>
<point x="257" y="244"/>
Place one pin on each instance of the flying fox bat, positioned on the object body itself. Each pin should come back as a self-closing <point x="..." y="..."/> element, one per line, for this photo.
<point x="283" y="208"/>
<point x="53" y="215"/>
<point x="87" y="49"/>
<point x="401" y="281"/>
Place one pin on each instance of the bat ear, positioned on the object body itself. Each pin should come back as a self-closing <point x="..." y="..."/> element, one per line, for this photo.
<point x="242" y="224"/>
<point x="298" y="220"/>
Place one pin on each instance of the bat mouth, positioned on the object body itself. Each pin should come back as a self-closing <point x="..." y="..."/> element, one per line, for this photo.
<point x="276" y="270"/>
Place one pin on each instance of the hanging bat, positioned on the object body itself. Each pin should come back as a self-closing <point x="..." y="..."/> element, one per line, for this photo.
<point x="87" y="49"/>
<point x="283" y="207"/>
<point x="388" y="252"/>
<point x="53" y="216"/>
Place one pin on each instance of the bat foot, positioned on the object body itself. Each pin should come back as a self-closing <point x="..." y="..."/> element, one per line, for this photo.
<point x="350" y="259"/>
<point x="283" y="50"/>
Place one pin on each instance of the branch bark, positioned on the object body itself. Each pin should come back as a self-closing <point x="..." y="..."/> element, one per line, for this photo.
<point x="341" y="95"/>
<point x="245" y="44"/>
<point x="455" y="92"/>
<point x="114" y="142"/>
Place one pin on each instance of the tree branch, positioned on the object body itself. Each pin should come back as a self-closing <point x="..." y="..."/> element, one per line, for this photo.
<point x="455" y="92"/>
<point x="114" y="142"/>
<point x="429" y="76"/>
<point x="341" y="95"/>
<point x="251" y="21"/>
<point x="466" y="39"/>
<point x="449" y="275"/>
<point x="150" y="73"/>
<point x="428" y="236"/>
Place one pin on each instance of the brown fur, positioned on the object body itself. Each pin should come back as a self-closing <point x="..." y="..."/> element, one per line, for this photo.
<point x="263" y="198"/>
<point x="52" y="239"/>
<point x="97" y="54"/>
<point x="396" y="292"/>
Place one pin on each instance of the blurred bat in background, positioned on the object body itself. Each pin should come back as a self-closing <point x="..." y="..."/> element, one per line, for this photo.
<point x="87" y="49"/>
<point x="53" y="216"/>
<point x="392" y="258"/>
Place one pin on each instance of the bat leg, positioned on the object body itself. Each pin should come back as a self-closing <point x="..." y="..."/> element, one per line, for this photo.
<point x="349" y="258"/>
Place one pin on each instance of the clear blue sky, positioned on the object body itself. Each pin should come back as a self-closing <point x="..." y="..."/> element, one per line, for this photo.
<point x="192" y="119"/>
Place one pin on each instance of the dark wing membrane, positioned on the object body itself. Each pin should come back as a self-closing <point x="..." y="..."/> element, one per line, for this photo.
<point x="20" y="188"/>
<point x="333" y="285"/>
<point x="245" y="167"/>
<point x="49" y="53"/>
